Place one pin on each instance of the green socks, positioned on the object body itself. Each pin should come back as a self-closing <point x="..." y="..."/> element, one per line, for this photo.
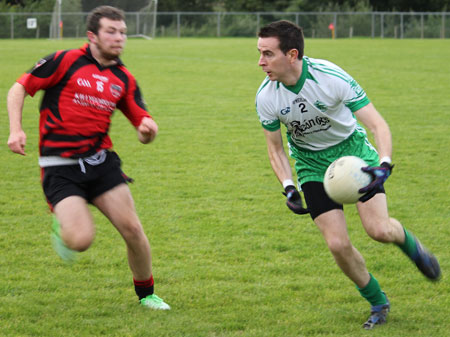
<point x="409" y="247"/>
<point x="372" y="292"/>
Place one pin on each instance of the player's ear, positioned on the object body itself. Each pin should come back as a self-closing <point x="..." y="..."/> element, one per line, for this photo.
<point x="293" y="54"/>
<point x="91" y="36"/>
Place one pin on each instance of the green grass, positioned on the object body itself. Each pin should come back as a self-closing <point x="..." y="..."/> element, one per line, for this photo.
<point x="229" y="257"/>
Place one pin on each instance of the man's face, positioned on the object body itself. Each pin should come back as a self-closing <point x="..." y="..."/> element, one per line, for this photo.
<point x="272" y="60"/>
<point x="111" y="37"/>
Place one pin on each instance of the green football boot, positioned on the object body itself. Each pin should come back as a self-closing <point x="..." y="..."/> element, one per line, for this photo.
<point x="64" y="252"/>
<point x="154" y="302"/>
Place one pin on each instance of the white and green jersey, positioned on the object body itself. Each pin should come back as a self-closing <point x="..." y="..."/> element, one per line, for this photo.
<point x="317" y="111"/>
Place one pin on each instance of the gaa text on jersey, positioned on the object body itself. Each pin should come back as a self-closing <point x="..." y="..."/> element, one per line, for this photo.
<point x="82" y="82"/>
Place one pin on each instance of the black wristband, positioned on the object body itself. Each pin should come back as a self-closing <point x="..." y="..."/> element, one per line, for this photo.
<point x="289" y="188"/>
<point x="388" y="166"/>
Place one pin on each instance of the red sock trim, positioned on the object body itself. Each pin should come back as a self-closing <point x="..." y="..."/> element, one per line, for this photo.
<point x="144" y="284"/>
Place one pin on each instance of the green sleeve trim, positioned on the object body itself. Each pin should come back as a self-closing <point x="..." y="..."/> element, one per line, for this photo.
<point x="355" y="106"/>
<point x="271" y="125"/>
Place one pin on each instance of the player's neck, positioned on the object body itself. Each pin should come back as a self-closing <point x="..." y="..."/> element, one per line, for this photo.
<point x="293" y="76"/>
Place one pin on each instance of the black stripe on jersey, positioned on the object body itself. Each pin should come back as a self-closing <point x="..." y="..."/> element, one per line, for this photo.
<point x="43" y="72"/>
<point x="69" y="138"/>
<point x="138" y="98"/>
<point x="56" y="151"/>
<point x="125" y="79"/>
<point x="51" y="97"/>
<point x="121" y="76"/>
<point x="48" y="121"/>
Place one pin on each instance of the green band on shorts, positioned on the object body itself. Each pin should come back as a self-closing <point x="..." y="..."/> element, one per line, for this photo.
<point x="311" y="165"/>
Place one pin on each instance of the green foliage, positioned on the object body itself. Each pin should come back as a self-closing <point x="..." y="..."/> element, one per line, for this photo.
<point x="228" y="256"/>
<point x="411" y="5"/>
<point x="186" y="5"/>
<point x="126" y="5"/>
<point x="240" y="5"/>
<point x="256" y="5"/>
<point x="19" y="21"/>
<point x="27" y="6"/>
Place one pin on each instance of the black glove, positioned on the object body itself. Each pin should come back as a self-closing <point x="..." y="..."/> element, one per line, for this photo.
<point x="294" y="200"/>
<point x="379" y="175"/>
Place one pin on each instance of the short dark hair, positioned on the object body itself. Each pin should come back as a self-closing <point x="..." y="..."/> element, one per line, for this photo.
<point x="289" y="34"/>
<point x="109" y="12"/>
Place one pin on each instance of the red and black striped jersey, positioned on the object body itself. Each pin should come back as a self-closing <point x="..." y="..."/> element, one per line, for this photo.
<point x="80" y="98"/>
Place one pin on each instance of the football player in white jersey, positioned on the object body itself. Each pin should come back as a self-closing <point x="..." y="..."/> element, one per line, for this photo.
<point x="320" y="105"/>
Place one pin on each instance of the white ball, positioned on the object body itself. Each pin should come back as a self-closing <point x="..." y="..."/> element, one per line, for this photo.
<point x="344" y="178"/>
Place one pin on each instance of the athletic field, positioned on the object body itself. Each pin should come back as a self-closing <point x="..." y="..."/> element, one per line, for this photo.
<point x="228" y="255"/>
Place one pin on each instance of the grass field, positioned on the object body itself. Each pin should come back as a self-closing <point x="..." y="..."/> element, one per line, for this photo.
<point x="229" y="257"/>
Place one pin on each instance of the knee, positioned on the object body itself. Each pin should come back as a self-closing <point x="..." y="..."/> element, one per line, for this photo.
<point x="133" y="232"/>
<point x="79" y="242"/>
<point x="381" y="232"/>
<point x="339" y="246"/>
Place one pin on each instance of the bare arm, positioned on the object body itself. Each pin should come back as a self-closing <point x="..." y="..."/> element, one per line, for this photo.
<point x="277" y="156"/>
<point x="372" y="119"/>
<point x="282" y="168"/>
<point x="147" y="130"/>
<point x="17" y="137"/>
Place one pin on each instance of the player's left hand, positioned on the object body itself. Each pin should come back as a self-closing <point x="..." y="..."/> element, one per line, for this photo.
<point x="294" y="200"/>
<point x="147" y="130"/>
<point x="379" y="175"/>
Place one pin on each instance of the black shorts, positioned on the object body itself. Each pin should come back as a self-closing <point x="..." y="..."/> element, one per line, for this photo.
<point x="318" y="201"/>
<point x="60" y="182"/>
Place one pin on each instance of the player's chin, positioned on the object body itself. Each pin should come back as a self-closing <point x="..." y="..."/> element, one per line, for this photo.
<point x="272" y="76"/>
<point x="115" y="52"/>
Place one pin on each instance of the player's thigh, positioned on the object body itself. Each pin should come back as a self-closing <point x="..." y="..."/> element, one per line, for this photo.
<point x="118" y="206"/>
<point x="333" y="227"/>
<point x="374" y="215"/>
<point x="75" y="218"/>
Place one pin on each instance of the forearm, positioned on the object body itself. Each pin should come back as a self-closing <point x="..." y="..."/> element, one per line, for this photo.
<point x="17" y="137"/>
<point x="383" y="141"/>
<point x="277" y="156"/>
<point x="376" y="124"/>
<point x="279" y="161"/>
<point x="282" y="168"/>
<point x="15" y="99"/>
<point x="280" y="165"/>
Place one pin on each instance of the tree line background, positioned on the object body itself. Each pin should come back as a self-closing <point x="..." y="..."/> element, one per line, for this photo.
<point x="237" y="5"/>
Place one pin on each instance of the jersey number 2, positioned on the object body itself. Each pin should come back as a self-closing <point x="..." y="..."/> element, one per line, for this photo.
<point x="302" y="107"/>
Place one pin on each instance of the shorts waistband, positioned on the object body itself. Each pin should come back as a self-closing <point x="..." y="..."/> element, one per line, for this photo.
<point x="96" y="159"/>
<point x="47" y="161"/>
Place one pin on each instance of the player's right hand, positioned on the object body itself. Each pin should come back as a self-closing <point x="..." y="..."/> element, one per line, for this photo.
<point x="17" y="141"/>
<point x="147" y="130"/>
<point x="294" y="200"/>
